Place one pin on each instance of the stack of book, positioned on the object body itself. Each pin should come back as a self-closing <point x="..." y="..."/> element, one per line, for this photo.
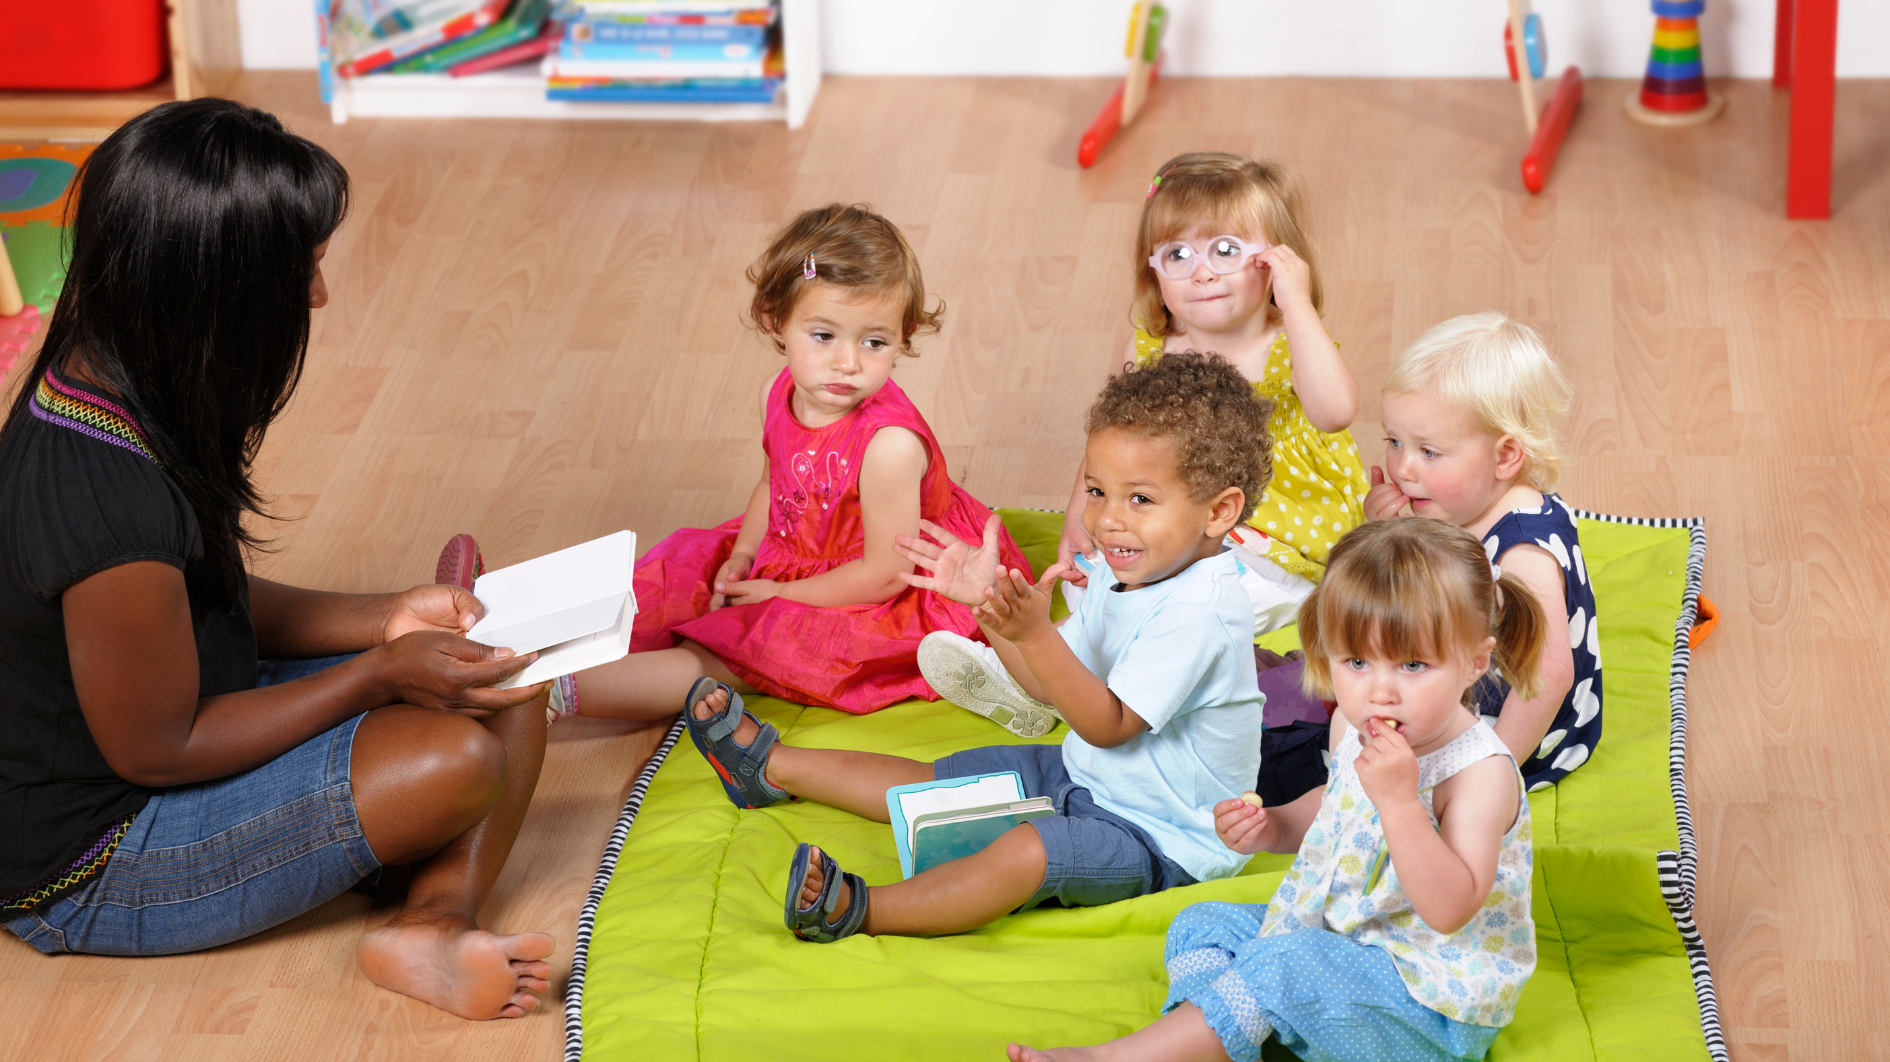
<point x="459" y="37"/>
<point x="667" y="51"/>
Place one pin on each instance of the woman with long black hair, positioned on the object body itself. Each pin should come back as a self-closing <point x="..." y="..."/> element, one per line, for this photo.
<point x="190" y="754"/>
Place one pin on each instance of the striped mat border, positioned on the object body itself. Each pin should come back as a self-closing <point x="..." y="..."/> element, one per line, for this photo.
<point x="1677" y="870"/>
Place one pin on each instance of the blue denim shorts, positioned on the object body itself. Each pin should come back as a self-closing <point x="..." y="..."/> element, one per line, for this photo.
<point x="1092" y="856"/>
<point x="210" y="863"/>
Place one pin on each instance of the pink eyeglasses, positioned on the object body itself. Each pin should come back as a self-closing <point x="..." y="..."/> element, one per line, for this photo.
<point x="1176" y="259"/>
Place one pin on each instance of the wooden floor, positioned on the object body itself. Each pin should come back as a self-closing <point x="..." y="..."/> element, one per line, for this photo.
<point x="534" y="336"/>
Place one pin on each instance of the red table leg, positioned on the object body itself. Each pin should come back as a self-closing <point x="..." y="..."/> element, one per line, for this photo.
<point x="1782" y="46"/>
<point x="1814" y="82"/>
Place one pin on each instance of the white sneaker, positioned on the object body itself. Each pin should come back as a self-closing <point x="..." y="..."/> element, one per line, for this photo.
<point x="970" y="675"/>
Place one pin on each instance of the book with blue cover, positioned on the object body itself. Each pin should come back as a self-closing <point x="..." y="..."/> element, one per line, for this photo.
<point x="598" y="51"/>
<point x="698" y="90"/>
<point x="950" y="818"/>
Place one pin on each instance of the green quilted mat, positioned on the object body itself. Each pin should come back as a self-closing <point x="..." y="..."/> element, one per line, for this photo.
<point x="681" y="954"/>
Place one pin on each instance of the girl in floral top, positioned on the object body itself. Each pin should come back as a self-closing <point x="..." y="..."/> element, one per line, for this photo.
<point x="1402" y="930"/>
<point x="1223" y="264"/>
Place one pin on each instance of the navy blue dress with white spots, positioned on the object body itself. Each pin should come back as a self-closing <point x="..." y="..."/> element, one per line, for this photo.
<point x="1577" y="727"/>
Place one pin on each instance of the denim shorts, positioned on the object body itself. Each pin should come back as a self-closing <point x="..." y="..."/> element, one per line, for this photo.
<point x="1092" y="856"/>
<point x="213" y="862"/>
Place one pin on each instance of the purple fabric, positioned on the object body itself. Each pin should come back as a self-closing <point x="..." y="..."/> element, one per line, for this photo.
<point x="1287" y="701"/>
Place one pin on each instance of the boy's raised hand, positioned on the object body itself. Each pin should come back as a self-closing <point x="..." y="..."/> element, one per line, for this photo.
<point x="1387" y="768"/>
<point x="957" y="570"/>
<point x="1384" y="500"/>
<point x="1014" y="609"/>
<point x="1244" y="827"/>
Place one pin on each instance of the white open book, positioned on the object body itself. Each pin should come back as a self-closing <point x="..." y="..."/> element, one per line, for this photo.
<point x="573" y="607"/>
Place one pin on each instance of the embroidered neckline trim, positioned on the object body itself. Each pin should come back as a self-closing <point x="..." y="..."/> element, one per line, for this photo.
<point x="82" y="411"/>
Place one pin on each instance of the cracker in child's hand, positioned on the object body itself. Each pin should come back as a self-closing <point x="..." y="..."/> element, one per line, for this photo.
<point x="1251" y="798"/>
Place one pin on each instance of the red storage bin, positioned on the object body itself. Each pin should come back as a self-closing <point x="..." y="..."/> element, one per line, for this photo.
<point x="81" y="44"/>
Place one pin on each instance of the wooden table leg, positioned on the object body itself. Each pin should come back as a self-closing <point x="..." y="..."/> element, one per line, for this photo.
<point x="1813" y="76"/>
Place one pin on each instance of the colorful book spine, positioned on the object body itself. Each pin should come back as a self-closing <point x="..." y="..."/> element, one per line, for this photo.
<point x="593" y="9"/>
<point x="522" y="23"/>
<point x="504" y="57"/>
<point x="611" y="69"/>
<point x="393" y="51"/>
<point x="756" y="17"/>
<point x="629" y="53"/>
<point x="584" y="33"/>
<point x="324" y="60"/>
<point x="705" y="90"/>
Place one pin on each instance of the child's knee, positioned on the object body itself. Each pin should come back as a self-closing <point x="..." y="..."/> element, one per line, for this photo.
<point x="1021" y="851"/>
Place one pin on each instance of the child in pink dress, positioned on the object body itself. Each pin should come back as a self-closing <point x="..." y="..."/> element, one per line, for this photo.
<point x="803" y="596"/>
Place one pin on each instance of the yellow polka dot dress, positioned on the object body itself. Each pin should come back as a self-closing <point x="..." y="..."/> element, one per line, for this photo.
<point x="1318" y="488"/>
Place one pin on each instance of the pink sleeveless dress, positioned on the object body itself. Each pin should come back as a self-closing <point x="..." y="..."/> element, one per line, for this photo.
<point x="857" y="658"/>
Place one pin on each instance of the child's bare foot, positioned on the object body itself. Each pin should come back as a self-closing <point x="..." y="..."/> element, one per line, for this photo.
<point x="811" y="885"/>
<point x="712" y="705"/>
<point x="1020" y="1053"/>
<point x="457" y="967"/>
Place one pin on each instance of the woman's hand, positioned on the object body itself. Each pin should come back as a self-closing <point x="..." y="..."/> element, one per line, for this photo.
<point x="1074" y="543"/>
<point x="434" y="607"/>
<point x="751" y="591"/>
<point x="1292" y="278"/>
<point x="733" y="570"/>
<point x="1243" y="827"/>
<point x="1387" y="768"/>
<point x="450" y="674"/>
<point x="1015" y="610"/>
<point x="957" y="570"/>
<point x="1384" y="500"/>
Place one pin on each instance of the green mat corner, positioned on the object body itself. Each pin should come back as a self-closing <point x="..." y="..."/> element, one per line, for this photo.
<point x="681" y="953"/>
<point x="39" y="262"/>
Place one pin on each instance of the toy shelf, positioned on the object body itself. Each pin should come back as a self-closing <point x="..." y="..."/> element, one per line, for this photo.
<point x="519" y="92"/>
<point x="27" y="115"/>
<point x="206" y="57"/>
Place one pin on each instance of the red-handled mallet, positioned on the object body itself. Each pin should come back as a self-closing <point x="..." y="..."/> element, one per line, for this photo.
<point x="1107" y="124"/>
<point x="1540" y="158"/>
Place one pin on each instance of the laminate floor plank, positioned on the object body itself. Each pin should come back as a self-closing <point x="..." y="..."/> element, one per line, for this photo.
<point x="537" y="335"/>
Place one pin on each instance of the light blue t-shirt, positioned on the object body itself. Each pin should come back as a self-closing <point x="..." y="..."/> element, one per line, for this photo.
<point x="1180" y="655"/>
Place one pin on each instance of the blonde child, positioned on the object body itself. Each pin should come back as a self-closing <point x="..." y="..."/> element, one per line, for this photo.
<point x="800" y="597"/>
<point x="1471" y="412"/>
<point x="1155" y="676"/>
<point x="1402" y="929"/>
<point x="1223" y="263"/>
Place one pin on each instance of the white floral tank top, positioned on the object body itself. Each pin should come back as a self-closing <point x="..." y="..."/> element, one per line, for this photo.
<point x="1343" y="881"/>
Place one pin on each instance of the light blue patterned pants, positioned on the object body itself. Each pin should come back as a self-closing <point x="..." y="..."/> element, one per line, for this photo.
<point x="1326" y="997"/>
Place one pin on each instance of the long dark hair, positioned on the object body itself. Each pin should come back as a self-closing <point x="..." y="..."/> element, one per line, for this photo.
<point x="193" y="237"/>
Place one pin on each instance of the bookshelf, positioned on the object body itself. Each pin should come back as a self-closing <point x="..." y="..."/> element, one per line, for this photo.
<point x="206" y="57"/>
<point x="519" y="92"/>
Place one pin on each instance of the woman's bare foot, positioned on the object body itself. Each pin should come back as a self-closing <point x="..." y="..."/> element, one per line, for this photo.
<point x="1020" y="1053"/>
<point x="458" y="967"/>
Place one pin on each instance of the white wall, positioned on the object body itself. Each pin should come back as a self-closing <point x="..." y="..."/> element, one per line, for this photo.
<point x="1343" y="38"/>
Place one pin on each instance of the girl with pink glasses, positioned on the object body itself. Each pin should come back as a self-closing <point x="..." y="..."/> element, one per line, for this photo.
<point x="1223" y="264"/>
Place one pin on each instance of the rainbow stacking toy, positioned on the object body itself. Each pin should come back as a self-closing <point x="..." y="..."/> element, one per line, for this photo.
<point x="1674" y="91"/>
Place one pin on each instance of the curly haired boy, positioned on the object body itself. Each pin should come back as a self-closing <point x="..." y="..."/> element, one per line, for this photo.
<point x="1154" y="674"/>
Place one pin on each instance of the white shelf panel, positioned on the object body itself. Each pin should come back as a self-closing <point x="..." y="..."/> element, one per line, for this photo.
<point x="514" y="94"/>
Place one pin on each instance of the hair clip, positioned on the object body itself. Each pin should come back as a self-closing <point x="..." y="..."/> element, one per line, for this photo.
<point x="808" y="272"/>
<point x="1155" y="185"/>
